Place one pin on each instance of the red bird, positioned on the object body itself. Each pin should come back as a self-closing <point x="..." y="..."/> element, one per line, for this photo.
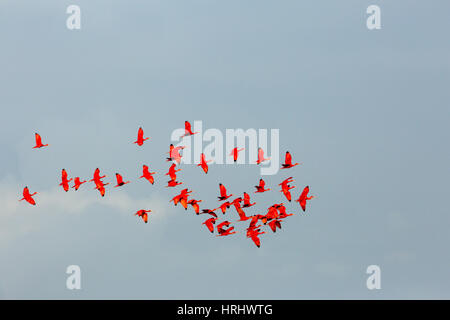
<point x="143" y="214"/>
<point x="172" y="172"/>
<point x="224" y="206"/>
<point x="140" y="137"/>
<point x="147" y="174"/>
<point x="247" y="201"/>
<point x="274" y="224"/>
<point x="235" y="153"/>
<point x="241" y="213"/>
<point x="285" y="187"/>
<point x="203" y="163"/>
<point x="188" y="129"/>
<point x="288" y="161"/>
<point x="173" y="183"/>
<point x="28" y="197"/>
<point x="120" y="181"/>
<point x="282" y="211"/>
<point x="38" y="139"/>
<point x="174" y="153"/>
<point x="97" y="176"/>
<point x="272" y="213"/>
<point x="184" y="194"/>
<point x="254" y="235"/>
<point x="64" y="181"/>
<point x="210" y="212"/>
<point x="100" y="186"/>
<point x="303" y="197"/>
<point x="261" y="156"/>
<point x="223" y="193"/>
<point x="77" y="183"/>
<point x="194" y="204"/>
<point x="210" y="224"/>
<point x="225" y="232"/>
<point x="261" y="187"/>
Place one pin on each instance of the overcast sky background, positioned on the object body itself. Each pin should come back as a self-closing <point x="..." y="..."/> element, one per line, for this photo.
<point x="366" y="112"/>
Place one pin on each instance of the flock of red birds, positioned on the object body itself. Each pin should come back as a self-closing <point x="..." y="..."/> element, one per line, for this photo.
<point x="274" y="216"/>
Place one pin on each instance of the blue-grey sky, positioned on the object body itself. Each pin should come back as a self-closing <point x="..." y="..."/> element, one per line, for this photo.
<point x="366" y="112"/>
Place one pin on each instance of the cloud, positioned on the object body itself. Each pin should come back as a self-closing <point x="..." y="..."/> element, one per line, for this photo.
<point x="55" y="201"/>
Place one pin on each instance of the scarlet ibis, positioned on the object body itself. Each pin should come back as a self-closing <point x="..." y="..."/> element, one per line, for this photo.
<point x="97" y="176"/>
<point x="38" y="140"/>
<point x="203" y="163"/>
<point x="261" y="156"/>
<point x="241" y="213"/>
<point x="209" y="223"/>
<point x="28" y="197"/>
<point x="288" y="161"/>
<point x="235" y="153"/>
<point x="140" y="137"/>
<point x="188" y="129"/>
<point x="146" y="174"/>
<point x="120" y="181"/>
<point x="64" y="181"/>
<point x="194" y="204"/>
<point x="254" y="235"/>
<point x="173" y="183"/>
<point x="223" y="193"/>
<point x="143" y="214"/>
<point x="261" y="187"/>
<point x="210" y="212"/>
<point x="282" y="211"/>
<point x="247" y="201"/>
<point x="77" y="183"/>
<point x="172" y="172"/>
<point x="225" y="232"/>
<point x="224" y="206"/>
<point x="184" y="194"/>
<point x="100" y="186"/>
<point x="174" y="153"/>
<point x="303" y="197"/>
<point x="285" y="187"/>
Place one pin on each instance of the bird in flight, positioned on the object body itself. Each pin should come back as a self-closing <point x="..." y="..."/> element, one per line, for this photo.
<point x="77" y="183"/>
<point x="285" y="187"/>
<point x="64" y="181"/>
<point x="203" y="163"/>
<point x="188" y="129"/>
<point x="274" y="224"/>
<point x="253" y="233"/>
<point x="210" y="212"/>
<point x="140" y="137"/>
<point x="143" y="214"/>
<point x="38" y="140"/>
<point x="100" y="186"/>
<point x="194" y="204"/>
<point x="261" y="187"/>
<point x="224" y="206"/>
<point x="172" y="173"/>
<point x="225" y="232"/>
<point x="97" y="177"/>
<point x="174" y="153"/>
<point x="223" y="193"/>
<point x="304" y="197"/>
<point x="209" y="223"/>
<point x="173" y="183"/>
<point x="120" y="181"/>
<point x="288" y="161"/>
<point x="261" y="156"/>
<point x="235" y="153"/>
<point x="28" y="197"/>
<point x="147" y="174"/>
<point x="247" y="203"/>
